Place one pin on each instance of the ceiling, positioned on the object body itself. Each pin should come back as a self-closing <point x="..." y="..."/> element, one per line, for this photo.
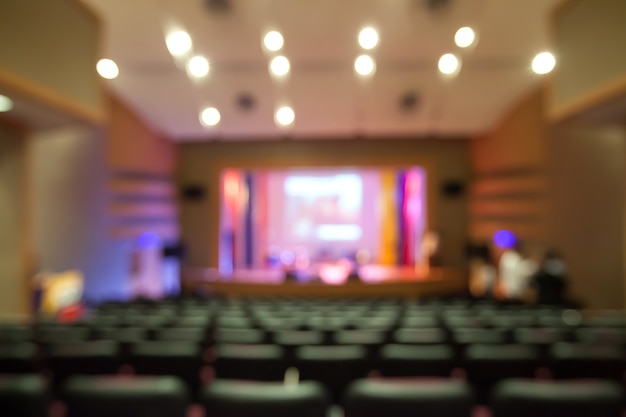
<point x="329" y="99"/>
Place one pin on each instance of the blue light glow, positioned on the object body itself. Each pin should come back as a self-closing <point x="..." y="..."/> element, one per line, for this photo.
<point x="148" y="240"/>
<point x="504" y="239"/>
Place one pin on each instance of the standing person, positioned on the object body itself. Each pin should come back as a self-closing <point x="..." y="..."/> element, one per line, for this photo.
<point x="515" y="272"/>
<point x="483" y="273"/>
<point x="550" y="281"/>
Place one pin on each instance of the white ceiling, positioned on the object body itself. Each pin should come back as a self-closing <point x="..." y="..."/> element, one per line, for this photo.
<point x="329" y="99"/>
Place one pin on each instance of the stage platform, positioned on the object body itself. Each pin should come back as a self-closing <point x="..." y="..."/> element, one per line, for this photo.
<point x="380" y="282"/>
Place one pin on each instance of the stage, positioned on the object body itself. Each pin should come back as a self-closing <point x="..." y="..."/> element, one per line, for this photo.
<point x="379" y="281"/>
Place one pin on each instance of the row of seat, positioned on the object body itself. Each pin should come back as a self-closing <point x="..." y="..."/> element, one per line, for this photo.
<point x="334" y="366"/>
<point x="26" y="396"/>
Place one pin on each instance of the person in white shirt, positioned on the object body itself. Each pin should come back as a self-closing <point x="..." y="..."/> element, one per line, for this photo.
<point x="515" y="273"/>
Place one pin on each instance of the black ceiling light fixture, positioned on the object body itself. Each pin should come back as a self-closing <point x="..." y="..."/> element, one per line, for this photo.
<point x="218" y="6"/>
<point x="245" y="102"/>
<point x="409" y="101"/>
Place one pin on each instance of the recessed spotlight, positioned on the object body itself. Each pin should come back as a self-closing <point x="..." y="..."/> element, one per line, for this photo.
<point x="107" y="68"/>
<point x="178" y="43"/>
<point x="284" y="116"/>
<point x="6" y="104"/>
<point x="364" y="65"/>
<point x="449" y="64"/>
<point x="198" y="66"/>
<point x="273" y="41"/>
<point x="279" y="66"/>
<point x="543" y="63"/>
<point x="464" y="37"/>
<point x="210" y="116"/>
<point x="368" y="38"/>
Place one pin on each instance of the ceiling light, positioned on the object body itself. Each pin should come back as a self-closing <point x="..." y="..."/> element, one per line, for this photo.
<point x="368" y="38"/>
<point x="464" y="37"/>
<point x="273" y="41"/>
<point x="543" y="63"/>
<point x="178" y="43"/>
<point x="449" y="64"/>
<point x="279" y="66"/>
<point x="210" y="116"/>
<point x="285" y="116"/>
<point x="6" y="103"/>
<point x="107" y="68"/>
<point x="364" y="65"/>
<point x="198" y="66"/>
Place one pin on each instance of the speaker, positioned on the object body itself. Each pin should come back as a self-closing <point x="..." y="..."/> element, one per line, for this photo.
<point x="193" y="192"/>
<point x="453" y="188"/>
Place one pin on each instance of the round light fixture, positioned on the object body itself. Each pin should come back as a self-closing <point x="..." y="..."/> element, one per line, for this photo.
<point x="6" y="104"/>
<point x="210" y="116"/>
<point x="364" y="65"/>
<point x="107" y="68"/>
<point x="178" y="43"/>
<point x="464" y="37"/>
<point x="449" y="64"/>
<point x="273" y="41"/>
<point x="279" y="66"/>
<point x="368" y="38"/>
<point x="285" y="116"/>
<point x="198" y="66"/>
<point x="543" y="63"/>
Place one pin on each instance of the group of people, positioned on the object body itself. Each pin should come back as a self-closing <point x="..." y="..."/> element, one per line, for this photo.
<point x="517" y="278"/>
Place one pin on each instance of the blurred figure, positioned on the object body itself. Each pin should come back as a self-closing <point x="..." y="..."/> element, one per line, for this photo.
<point x="549" y="282"/>
<point x="515" y="272"/>
<point x="483" y="273"/>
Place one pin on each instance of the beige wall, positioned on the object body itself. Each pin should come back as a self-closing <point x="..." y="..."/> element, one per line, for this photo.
<point x="200" y="164"/>
<point x="587" y="170"/>
<point x="509" y="186"/>
<point x="588" y="41"/>
<point x="51" y="47"/>
<point x="12" y="274"/>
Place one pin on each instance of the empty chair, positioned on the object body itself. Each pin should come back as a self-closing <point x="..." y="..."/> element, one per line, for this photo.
<point x="15" y="333"/>
<point x="126" y="336"/>
<point x="486" y="365"/>
<point x="465" y="336"/>
<point x="419" y="321"/>
<point x="272" y="323"/>
<point x="523" y="398"/>
<point x="263" y="399"/>
<point x="255" y="362"/>
<point x="375" y="398"/>
<point x="570" y="360"/>
<point x="23" y="396"/>
<point x="601" y="335"/>
<point x="19" y="358"/>
<point x="84" y="358"/>
<point x="125" y="397"/>
<point x="252" y="336"/>
<point x="420" y="336"/>
<point x="296" y="338"/>
<point x="384" y="321"/>
<point x="540" y="336"/>
<point x="48" y="335"/>
<point x="370" y="339"/>
<point x="233" y="322"/>
<point x="416" y="360"/>
<point x="193" y="321"/>
<point x="179" y="359"/>
<point x="333" y="366"/>
<point x="182" y="334"/>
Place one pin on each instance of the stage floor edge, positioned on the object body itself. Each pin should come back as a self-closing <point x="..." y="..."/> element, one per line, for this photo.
<point x="440" y="282"/>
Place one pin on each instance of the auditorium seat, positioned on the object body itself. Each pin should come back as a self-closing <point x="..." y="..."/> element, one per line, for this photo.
<point x="542" y="337"/>
<point x="233" y="322"/>
<point x="375" y="398"/>
<point x="420" y="336"/>
<point x="173" y="358"/>
<point x="370" y="339"/>
<point x="469" y="336"/>
<point x="182" y="334"/>
<point x="416" y="320"/>
<point x="523" y="398"/>
<point x="416" y="360"/>
<point x="293" y="339"/>
<point x="601" y="335"/>
<point x="254" y="362"/>
<point x="125" y="397"/>
<point x="192" y="320"/>
<point x="570" y="360"/>
<point x="485" y="365"/>
<point x="23" y="396"/>
<point x="83" y="358"/>
<point x="333" y="366"/>
<point x="10" y="333"/>
<point x="252" y="336"/>
<point x="246" y="399"/>
<point x="19" y="358"/>
<point x="51" y="334"/>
